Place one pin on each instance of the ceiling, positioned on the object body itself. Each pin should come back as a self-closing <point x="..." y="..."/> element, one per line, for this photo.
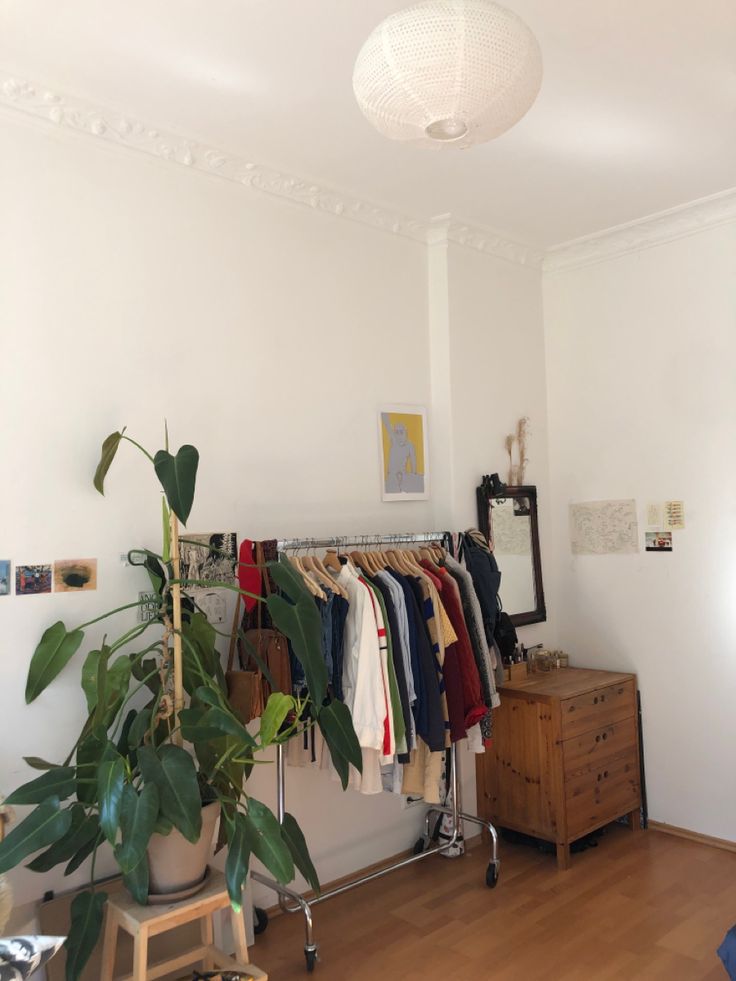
<point x="637" y="111"/>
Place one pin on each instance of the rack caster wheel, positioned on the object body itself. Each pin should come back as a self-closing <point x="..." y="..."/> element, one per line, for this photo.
<point x="420" y="845"/>
<point x="310" y="955"/>
<point x="492" y="874"/>
<point x="260" y="920"/>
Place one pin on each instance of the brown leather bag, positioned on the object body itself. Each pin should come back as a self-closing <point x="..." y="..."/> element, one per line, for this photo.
<point x="248" y="689"/>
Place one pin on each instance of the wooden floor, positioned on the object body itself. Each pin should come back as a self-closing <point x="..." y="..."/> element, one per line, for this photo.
<point x="644" y="905"/>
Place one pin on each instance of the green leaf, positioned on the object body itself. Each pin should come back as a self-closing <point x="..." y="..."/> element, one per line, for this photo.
<point x="163" y="826"/>
<point x="173" y="772"/>
<point x="63" y="849"/>
<point x="86" y="924"/>
<point x="36" y="763"/>
<point x="194" y="726"/>
<point x="110" y="782"/>
<point x="263" y="837"/>
<point x="93" y="840"/>
<point x="277" y="708"/>
<point x="200" y="633"/>
<point x="58" y="782"/>
<point x="109" y="449"/>
<point x="336" y="724"/>
<point x="209" y="696"/>
<point x="136" y="881"/>
<point x="300" y="621"/>
<point x="338" y="760"/>
<point x="116" y="687"/>
<point x="229" y="725"/>
<point x="138" y="814"/>
<point x="89" y="679"/>
<point x="238" y="857"/>
<point x="43" y="826"/>
<point x="89" y="756"/>
<point x="140" y="727"/>
<point x="122" y="745"/>
<point x="292" y="835"/>
<point x="56" y="648"/>
<point x="166" y="524"/>
<point x="178" y="475"/>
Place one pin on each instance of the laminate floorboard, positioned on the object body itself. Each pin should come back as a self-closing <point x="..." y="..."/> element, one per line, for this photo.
<point x="643" y="905"/>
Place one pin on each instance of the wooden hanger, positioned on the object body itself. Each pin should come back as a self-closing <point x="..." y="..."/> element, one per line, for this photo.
<point x="313" y="588"/>
<point x="362" y="561"/>
<point x="331" y="561"/>
<point x="429" y="557"/>
<point x="326" y="578"/>
<point x="398" y="562"/>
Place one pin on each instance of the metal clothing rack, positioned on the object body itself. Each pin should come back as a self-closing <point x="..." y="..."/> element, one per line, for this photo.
<point x="292" y="901"/>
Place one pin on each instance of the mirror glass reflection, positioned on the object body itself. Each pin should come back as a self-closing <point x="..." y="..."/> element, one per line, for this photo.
<point x="511" y="527"/>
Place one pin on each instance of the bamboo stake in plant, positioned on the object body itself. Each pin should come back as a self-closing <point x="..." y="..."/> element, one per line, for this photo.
<point x="176" y="611"/>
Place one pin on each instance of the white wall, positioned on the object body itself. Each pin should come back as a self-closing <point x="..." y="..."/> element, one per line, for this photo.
<point x="267" y="335"/>
<point x="640" y="358"/>
<point x="497" y="376"/>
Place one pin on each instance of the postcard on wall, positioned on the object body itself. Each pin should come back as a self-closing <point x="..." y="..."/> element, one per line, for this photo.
<point x="210" y="557"/>
<point x="604" y="528"/>
<point x="674" y="515"/>
<point x="404" y="453"/>
<point x="30" y="580"/>
<point x="75" y="575"/>
<point x="658" y="541"/>
<point x="4" y="577"/>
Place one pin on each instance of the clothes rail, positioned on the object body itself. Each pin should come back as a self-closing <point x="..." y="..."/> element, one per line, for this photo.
<point x="339" y="541"/>
<point x="291" y="900"/>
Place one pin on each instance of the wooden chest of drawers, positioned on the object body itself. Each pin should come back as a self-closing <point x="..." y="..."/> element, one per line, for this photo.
<point x="565" y="756"/>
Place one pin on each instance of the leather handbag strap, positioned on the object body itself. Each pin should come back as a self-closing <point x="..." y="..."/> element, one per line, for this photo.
<point x="234" y="634"/>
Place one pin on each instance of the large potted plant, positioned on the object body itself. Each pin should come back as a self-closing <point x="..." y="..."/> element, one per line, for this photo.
<point x="161" y="746"/>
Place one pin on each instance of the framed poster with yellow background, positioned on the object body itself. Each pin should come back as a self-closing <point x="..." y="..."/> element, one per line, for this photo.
<point x="402" y="433"/>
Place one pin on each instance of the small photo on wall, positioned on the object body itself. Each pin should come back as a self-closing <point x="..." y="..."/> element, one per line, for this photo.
<point x="404" y="453"/>
<point x="30" y="580"/>
<point x="75" y="575"/>
<point x="209" y="558"/>
<point x="4" y="577"/>
<point x="658" y="541"/>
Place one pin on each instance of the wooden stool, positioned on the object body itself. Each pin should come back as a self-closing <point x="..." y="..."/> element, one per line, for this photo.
<point x="143" y="922"/>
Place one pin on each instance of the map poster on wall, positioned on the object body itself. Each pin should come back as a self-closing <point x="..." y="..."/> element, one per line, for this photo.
<point x="604" y="528"/>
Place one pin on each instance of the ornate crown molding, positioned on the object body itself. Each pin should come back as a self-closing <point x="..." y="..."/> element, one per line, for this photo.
<point x="492" y="243"/>
<point x="444" y="228"/>
<point x="124" y="131"/>
<point x="666" y="226"/>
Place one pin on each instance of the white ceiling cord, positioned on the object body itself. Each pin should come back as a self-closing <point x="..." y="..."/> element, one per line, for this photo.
<point x="448" y="73"/>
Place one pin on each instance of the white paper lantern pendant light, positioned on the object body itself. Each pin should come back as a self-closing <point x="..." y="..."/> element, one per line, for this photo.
<point x="448" y="73"/>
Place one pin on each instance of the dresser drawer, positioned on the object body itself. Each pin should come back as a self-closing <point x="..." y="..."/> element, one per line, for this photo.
<point x="602" y="793"/>
<point x="597" y="708"/>
<point x="590" y="748"/>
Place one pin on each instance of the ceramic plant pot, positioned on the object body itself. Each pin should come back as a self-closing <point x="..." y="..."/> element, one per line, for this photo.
<point x="177" y="867"/>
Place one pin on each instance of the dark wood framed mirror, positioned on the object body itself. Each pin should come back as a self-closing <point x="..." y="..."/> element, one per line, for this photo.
<point x="507" y="516"/>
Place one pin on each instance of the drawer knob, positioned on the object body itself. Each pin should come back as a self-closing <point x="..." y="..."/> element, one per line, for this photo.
<point x="597" y="739"/>
<point x="605" y="735"/>
<point x="605" y="773"/>
<point x="595" y="700"/>
<point x="603" y="698"/>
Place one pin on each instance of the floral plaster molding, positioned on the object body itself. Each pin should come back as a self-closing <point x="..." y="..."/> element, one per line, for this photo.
<point x="123" y="130"/>
<point x="645" y="233"/>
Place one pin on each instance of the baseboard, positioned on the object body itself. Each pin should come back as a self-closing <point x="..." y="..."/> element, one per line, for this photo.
<point x="671" y="829"/>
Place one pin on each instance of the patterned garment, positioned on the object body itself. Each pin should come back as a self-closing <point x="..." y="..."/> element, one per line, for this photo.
<point x="21" y="956"/>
